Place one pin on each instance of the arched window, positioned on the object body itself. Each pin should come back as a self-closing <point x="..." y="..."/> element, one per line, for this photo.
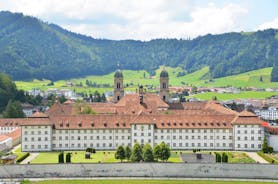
<point x="118" y="85"/>
<point x="118" y="98"/>
<point x="164" y="97"/>
<point x="164" y="85"/>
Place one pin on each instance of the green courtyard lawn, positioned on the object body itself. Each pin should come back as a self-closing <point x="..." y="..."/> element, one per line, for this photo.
<point x="76" y="157"/>
<point x="270" y="157"/>
<point x="142" y="182"/>
<point x="108" y="157"/>
<point x="79" y="157"/>
<point x="239" y="157"/>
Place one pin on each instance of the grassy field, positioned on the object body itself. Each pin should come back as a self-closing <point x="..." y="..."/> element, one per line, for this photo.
<point x="133" y="78"/>
<point x="141" y="182"/>
<point x="229" y="96"/>
<point x="79" y="157"/>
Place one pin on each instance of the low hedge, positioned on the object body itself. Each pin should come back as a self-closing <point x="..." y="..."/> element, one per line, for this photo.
<point x="20" y="159"/>
<point x="267" y="158"/>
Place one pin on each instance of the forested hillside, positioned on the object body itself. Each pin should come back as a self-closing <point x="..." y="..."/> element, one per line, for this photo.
<point x="30" y="48"/>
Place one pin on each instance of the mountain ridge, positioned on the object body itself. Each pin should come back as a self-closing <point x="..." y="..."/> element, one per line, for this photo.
<point x="31" y="48"/>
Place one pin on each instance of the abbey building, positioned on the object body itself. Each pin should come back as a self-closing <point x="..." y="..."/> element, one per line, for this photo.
<point x="142" y="118"/>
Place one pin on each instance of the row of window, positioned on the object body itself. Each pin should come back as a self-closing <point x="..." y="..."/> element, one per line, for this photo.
<point x="246" y="131"/>
<point x="36" y="132"/>
<point x="205" y="137"/>
<point x="85" y="145"/>
<point x="91" y="131"/>
<point x="246" y="146"/>
<point x="38" y="139"/>
<point x="38" y="147"/>
<point x="252" y="138"/>
<point x="91" y="137"/>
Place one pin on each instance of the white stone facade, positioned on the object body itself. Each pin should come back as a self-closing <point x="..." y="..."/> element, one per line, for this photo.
<point x="44" y="138"/>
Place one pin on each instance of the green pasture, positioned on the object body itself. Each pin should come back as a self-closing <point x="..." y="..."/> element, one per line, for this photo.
<point x="229" y="96"/>
<point x="200" y="78"/>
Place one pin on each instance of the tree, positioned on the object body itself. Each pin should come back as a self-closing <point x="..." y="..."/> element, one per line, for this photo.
<point x="127" y="152"/>
<point x="148" y="153"/>
<point x="265" y="145"/>
<point x="68" y="158"/>
<point x="136" y="154"/>
<point x="120" y="153"/>
<point x="103" y="98"/>
<point x="13" y="110"/>
<point x="274" y="74"/>
<point x="224" y="157"/>
<point x="61" y="158"/>
<point x="165" y="151"/>
<point x="157" y="152"/>
<point x="194" y="90"/>
<point x="217" y="157"/>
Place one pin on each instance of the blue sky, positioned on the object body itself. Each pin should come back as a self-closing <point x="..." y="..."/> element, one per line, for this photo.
<point x="149" y="19"/>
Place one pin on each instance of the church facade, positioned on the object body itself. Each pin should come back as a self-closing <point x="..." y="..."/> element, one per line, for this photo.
<point x="142" y="118"/>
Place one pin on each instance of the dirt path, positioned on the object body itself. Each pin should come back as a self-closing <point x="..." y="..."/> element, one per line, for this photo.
<point x="256" y="157"/>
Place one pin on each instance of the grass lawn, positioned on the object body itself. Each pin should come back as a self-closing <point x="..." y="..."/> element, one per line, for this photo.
<point x="79" y="157"/>
<point x="140" y="182"/>
<point x="239" y="157"/>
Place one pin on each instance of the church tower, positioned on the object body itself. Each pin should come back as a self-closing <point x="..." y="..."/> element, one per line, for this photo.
<point x="164" y="85"/>
<point x="118" y="85"/>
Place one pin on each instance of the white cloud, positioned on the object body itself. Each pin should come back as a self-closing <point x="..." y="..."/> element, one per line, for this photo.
<point x="142" y="19"/>
<point x="271" y="24"/>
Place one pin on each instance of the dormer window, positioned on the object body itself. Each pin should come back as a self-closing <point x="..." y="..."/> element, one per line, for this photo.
<point x="124" y="124"/>
<point x="162" y="124"/>
<point x="67" y="124"/>
<point x="180" y="124"/>
<point x="80" y="124"/>
<point x="117" y="124"/>
<point x="105" y="124"/>
<point x="92" y="124"/>
<point x="169" y="124"/>
<point x="61" y="124"/>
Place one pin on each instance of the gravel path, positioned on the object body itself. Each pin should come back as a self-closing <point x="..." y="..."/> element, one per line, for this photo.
<point x="256" y="157"/>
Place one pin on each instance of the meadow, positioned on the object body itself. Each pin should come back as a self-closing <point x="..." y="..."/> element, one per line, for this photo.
<point x="200" y="78"/>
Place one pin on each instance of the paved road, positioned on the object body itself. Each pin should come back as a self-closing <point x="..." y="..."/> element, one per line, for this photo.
<point x="30" y="158"/>
<point x="257" y="157"/>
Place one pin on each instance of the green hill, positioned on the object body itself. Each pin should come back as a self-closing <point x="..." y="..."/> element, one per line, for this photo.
<point x="32" y="49"/>
<point x="257" y="78"/>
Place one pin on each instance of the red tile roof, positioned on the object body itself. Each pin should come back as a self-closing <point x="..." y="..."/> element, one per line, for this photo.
<point x="3" y="137"/>
<point x="15" y="134"/>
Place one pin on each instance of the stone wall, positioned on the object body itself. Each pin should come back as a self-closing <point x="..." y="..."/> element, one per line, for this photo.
<point x="248" y="171"/>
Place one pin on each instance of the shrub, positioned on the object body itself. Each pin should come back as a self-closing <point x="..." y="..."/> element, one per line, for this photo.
<point x="68" y="158"/>
<point x="20" y="159"/>
<point x="61" y="158"/>
<point x="90" y="150"/>
<point x="217" y="157"/>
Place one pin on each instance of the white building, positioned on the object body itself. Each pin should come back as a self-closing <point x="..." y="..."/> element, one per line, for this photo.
<point x="268" y="114"/>
<point x="142" y="118"/>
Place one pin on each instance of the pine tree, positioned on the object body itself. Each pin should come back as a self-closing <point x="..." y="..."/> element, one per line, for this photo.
<point x="148" y="153"/>
<point x="68" y="158"/>
<point x="127" y="152"/>
<point x="265" y="146"/>
<point x="120" y="153"/>
<point x="136" y="154"/>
